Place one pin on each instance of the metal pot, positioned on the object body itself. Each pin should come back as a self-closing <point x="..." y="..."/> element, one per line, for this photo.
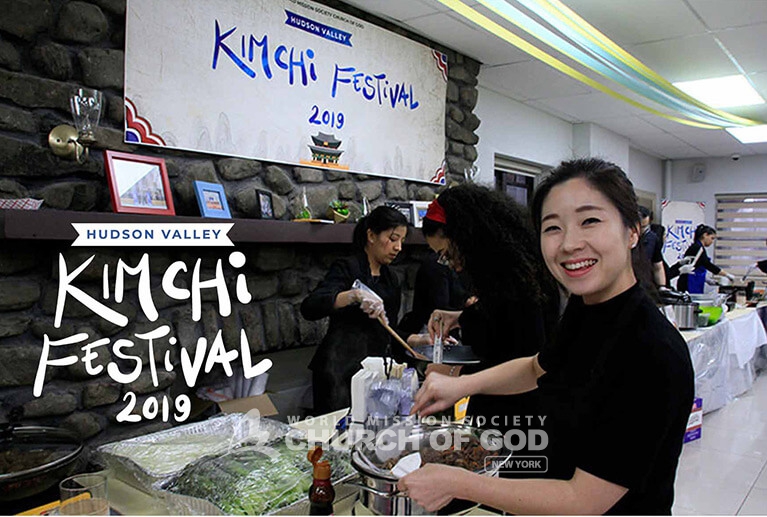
<point x="378" y="486"/>
<point x="686" y="315"/>
<point x="58" y="450"/>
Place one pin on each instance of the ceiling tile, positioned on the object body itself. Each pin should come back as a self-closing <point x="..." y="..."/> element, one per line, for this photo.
<point x="588" y="107"/>
<point x="630" y="21"/>
<point x="459" y="34"/>
<point x="685" y="59"/>
<point x="396" y="10"/>
<point x="747" y="45"/>
<point x="704" y="137"/>
<point x="530" y="80"/>
<point x="678" y="152"/>
<point x="627" y="126"/>
<point x="732" y="13"/>
<point x="552" y="111"/>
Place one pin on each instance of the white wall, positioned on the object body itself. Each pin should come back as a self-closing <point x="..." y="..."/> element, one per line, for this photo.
<point x="646" y="172"/>
<point x="723" y="175"/>
<point x="591" y="140"/>
<point x="518" y="131"/>
<point x="512" y="129"/>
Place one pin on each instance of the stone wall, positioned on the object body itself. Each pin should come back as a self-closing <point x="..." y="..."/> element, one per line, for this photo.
<point x="48" y="47"/>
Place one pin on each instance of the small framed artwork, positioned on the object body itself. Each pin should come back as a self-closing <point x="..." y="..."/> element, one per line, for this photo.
<point x="419" y="212"/>
<point x="265" y="206"/>
<point x="402" y="207"/>
<point x="212" y="200"/>
<point x="138" y="184"/>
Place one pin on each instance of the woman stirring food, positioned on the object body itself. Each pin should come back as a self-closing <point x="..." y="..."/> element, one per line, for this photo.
<point x="616" y="383"/>
<point x="353" y="332"/>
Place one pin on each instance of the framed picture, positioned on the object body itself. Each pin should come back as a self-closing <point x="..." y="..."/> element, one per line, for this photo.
<point x="212" y="200"/>
<point x="419" y="211"/>
<point x="138" y="184"/>
<point x="402" y="207"/>
<point x="266" y="208"/>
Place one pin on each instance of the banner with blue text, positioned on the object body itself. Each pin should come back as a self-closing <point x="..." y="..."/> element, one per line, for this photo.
<point x="288" y="81"/>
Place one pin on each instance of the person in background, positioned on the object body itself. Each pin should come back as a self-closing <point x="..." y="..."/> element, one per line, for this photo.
<point x="488" y="238"/>
<point x="694" y="282"/>
<point x="436" y="287"/>
<point x="614" y="356"/>
<point x="353" y="332"/>
<point x="652" y="247"/>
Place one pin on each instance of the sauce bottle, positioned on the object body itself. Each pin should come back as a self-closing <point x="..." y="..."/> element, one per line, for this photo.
<point x="321" y="493"/>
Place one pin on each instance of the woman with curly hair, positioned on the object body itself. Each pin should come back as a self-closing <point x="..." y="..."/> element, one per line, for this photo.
<point x="489" y="238"/>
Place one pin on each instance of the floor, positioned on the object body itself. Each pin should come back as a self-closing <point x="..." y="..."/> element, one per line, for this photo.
<point x="725" y="472"/>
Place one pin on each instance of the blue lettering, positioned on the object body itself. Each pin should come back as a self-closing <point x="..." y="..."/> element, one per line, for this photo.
<point x="219" y="45"/>
<point x="263" y="43"/>
<point x="278" y="57"/>
<point x="337" y="79"/>
<point x="252" y="48"/>
<point x="374" y="87"/>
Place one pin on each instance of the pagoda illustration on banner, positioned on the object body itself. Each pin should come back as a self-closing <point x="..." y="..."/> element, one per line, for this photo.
<point x="325" y="151"/>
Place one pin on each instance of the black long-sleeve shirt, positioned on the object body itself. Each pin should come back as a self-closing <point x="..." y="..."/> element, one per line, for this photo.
<point x="352" y="335"/>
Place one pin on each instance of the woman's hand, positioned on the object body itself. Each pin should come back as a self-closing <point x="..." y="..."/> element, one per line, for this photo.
<point x="374" y="309"/>
<point x="432" y="486"/>
<point x="418" y="340"/>
<point x="438" y="393"/>
<point x="441" y="322"/>
<point x="444" y="369"/>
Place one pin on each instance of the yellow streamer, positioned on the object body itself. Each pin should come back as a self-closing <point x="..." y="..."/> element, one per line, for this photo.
<point x="492" y="27"/>
<point x="571" y="18"/>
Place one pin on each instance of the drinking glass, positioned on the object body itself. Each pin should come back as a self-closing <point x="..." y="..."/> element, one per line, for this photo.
<point x="86" y="110"/>
<point x="84" y="494"/>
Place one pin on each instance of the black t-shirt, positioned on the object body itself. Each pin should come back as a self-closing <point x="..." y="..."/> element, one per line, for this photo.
<point x="652" y="247"/>
<point x="618" y="391"/>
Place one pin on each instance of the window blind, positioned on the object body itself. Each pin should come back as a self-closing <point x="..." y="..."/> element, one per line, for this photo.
<point x="741" y="229"/>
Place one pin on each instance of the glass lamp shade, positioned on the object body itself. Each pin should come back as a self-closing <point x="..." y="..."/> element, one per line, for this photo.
<point x="86" y="111"/>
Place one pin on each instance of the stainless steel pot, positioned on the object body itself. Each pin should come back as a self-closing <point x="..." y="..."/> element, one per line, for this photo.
<point x="686" y="315"/>
<point x="49" y="455"/>
<point x="378" y="486"/>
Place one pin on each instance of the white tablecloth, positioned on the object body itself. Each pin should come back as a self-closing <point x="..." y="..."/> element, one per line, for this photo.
<point x="723" y="356"/>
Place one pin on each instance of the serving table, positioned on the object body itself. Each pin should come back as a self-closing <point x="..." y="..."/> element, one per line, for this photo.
<point x="726" y="356"/>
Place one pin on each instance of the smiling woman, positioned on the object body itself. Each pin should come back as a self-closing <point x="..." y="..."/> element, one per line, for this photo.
<point x="614" y="357"/>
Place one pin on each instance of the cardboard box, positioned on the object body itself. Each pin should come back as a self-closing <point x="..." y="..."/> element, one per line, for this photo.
<point x="695" y="422"/>
<point x="261" y="402"/>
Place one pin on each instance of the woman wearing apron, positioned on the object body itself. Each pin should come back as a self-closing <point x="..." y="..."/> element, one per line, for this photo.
<point x="695" y="281"/>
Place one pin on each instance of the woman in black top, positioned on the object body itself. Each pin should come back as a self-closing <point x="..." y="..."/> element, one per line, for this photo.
<point x="354" y="334"/>
<point x="616" y="382"/>
<point x="487" y="237"/>
<point x="694" y="282"/>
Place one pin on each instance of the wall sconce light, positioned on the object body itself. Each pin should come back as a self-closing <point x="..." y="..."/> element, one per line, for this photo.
<point x="70" y="142"/>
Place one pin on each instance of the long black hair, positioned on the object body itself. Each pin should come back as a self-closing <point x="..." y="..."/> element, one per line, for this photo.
<point x="702" y="230"/>
<point x="612" y="182"/>
<point x="497" y="246"/>
<point x="379" y="220"/>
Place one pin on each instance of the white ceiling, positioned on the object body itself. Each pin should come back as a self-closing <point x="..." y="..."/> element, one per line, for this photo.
<point x="679" y="39"/>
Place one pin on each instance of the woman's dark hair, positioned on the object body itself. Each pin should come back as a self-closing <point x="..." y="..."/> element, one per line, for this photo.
<point x="612" y="182"/>
<point x="379" y="220"/>
<point x="702" y="230"/>
<point x="606" y="177"/>
<point x="430" y="227"/>
<point x="496" y="244"/>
